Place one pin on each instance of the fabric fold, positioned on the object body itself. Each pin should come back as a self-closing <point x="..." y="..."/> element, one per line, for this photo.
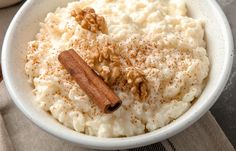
<point x="5" y="142"/>
<point x="4" y="96"/>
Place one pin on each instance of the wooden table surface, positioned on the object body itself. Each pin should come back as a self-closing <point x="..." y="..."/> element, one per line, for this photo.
<point x="225" y="108"/>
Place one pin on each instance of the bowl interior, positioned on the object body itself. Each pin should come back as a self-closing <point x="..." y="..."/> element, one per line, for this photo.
<point x="26" y="24"/>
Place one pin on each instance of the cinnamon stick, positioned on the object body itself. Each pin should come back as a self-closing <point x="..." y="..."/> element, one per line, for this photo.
<point x="89" y="81"/>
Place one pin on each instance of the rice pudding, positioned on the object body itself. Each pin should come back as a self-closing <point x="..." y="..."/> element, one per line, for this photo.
<point x="151" y="54"/>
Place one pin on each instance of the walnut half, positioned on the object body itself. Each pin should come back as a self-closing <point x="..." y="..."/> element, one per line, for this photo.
<point x="89" y="20"/>
<point x="106" y="62"/>
<point x="136" y="82"/>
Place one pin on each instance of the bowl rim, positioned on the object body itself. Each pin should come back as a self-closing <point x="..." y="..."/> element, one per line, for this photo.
<point x="133" y="141"/>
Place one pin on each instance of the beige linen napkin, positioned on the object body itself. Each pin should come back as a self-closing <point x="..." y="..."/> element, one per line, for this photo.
<point x="5" y="142"/>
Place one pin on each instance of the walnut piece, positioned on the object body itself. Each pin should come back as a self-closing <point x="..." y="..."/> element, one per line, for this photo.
<point x="89" y="20"/>
<point x="137" y="83"/>
<point x="107" y="60"/>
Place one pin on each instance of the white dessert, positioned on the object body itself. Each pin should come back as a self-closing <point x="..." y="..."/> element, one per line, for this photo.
<point x="156" y="36"/>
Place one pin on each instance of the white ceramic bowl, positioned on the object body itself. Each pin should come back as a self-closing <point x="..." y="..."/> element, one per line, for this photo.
<point x="26" y="24"/>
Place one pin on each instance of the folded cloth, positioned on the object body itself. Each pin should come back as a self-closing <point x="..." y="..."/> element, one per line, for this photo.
<point x="5" y="142"/>
<point x="16" y="131"/>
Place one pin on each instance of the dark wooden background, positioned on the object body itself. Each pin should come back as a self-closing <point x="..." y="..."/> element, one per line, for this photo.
<point x="225" y="108"/>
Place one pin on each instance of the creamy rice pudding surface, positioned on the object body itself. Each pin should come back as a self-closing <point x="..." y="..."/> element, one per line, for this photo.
<point x="152" y="55"/>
